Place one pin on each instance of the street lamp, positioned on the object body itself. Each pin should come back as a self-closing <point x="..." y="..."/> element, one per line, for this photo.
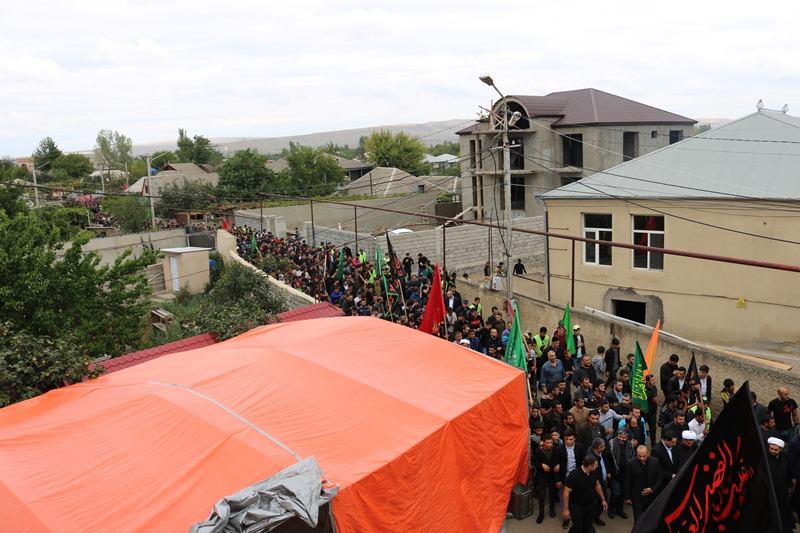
<point x="485" y="78"/>
<point x="150" y="190"/>
<point x="35" y="183"/>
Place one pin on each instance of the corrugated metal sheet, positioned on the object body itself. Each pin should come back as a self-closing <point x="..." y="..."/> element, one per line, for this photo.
<point x="385" y="181"/>
<point x="590" y="106"/>
<point x="757" y="156"/>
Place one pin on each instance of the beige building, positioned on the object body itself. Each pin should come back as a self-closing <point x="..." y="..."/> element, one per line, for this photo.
<point x="186" y="266"/>
<point x="559" y="138"/>
<point x="733" y="191"/>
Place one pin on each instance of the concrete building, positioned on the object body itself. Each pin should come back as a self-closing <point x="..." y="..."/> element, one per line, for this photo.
<point x="174" y="174"/>
<point x="733" y="191"/>
<point x="559" y="138"/>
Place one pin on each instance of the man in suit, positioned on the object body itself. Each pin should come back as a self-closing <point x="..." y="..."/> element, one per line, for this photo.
<point x="705" y="384"/>
<point x="677" y="383"/>
<point x="569" y="457"/>
<point x="663" y="452"/>
<point x="668" y="370"/>
<point x="612" y="361"/>
<point x="642" y="481"/>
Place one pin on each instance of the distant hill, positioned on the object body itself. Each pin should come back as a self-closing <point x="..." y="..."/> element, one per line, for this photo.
<point x="430" y="133"/>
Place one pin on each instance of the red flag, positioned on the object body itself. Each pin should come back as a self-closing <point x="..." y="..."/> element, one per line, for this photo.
<point x="225" y="224"/>
<point x="126" y="186"/>
<point x="435" y="313"/>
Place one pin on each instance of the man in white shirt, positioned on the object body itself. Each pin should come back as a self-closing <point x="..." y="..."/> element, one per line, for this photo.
<point x="698" y="425"/>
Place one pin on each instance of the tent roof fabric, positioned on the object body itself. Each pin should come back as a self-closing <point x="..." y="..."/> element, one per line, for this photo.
<point x="421" y="434"/>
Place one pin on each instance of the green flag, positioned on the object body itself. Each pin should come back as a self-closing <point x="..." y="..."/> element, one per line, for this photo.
<point x="253" y="246"/>
<point x="638" y="391"/>
<point x="567" y="321"/>
<point x="515" y="349"/>
<point x="340" y="270"/>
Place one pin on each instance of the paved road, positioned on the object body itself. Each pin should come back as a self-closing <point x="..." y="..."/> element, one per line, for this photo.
<point x="528" y="525"/>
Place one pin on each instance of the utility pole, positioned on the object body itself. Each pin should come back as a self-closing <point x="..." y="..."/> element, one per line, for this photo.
<point x="485" y="78"/>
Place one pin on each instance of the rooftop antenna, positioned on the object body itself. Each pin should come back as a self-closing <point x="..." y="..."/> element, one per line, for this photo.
<point x="760" y="105"/>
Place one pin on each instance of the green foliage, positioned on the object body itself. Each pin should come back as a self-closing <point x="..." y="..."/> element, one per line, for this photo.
<point x="131" y="211"/>
<point x="198" y="150"/>
<point x="195" y="196"/>
<point x="241" y="300"/>
<point x="102" y="306"/>
<point x="69" y="221"/>
<point x="10" y="195"/>
<point x="447" y="147"/>
<point x="386" y="149"/>
<point x="31" y="365"/>
<point x="311" y="172"/>
<point x="216" y="271"/>
<point x="244" y="176"/>
<point x="162" y="158"/>
<point x="45" y="154"/>
<point x="701" y="129"/>
<point x="70" y="167"/>
<point x="344" y="151"/>
<point x="137" y="169"/>
<point x="113" y="149"/>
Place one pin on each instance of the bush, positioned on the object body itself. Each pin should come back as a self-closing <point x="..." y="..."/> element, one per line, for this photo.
<point x="32" y="365"/>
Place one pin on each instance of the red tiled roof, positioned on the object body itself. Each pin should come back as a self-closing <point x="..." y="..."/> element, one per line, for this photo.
<point x="183" y="345"/>
<point x="318" y="310"/>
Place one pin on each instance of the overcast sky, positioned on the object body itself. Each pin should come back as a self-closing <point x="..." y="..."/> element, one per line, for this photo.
<point x="249" y="68"/>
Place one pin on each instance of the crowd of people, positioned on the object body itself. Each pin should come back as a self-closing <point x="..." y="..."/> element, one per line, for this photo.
<point x="585" y="422"/>
<point x="592" y="450"/>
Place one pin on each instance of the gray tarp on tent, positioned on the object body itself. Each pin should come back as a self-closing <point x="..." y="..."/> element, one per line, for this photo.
<point x="294" y="491"/>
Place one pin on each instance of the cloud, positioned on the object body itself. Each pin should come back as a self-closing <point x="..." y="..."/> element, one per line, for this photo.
<point x="145" y="52"/>
<point x="25" y="69"/>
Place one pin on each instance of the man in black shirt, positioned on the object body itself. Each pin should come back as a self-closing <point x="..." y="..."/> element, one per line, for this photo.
<point x="642" y="480"/>
<point x="668" y="370"/>
<point x="519" y="268"/>
<point x="581" y="489"/>
<point x="784" y="409"/>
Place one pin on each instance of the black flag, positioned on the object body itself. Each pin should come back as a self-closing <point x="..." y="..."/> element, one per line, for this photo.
<point x="726" y="486"/>
<point x="692" y="379"/>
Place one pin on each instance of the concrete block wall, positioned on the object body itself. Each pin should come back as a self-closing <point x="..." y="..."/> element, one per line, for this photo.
<point x="294" y="299"/>
<point x="110" y="248"/>
<point x="467" y="245"/>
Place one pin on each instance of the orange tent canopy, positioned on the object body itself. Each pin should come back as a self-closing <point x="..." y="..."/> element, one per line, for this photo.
<point x="421" y="434"/>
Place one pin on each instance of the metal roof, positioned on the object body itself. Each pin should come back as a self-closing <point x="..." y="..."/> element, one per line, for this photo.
<point x="386" y="181"/>
<point x="757" y="156"/>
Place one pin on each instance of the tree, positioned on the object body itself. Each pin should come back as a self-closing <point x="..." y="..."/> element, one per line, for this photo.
<point x="241" y="300"/>
<point x="198" y="150"/>
<point x="311" y="172"/>
<point x="447" y="147"/>
<point x="130" y="210"/>
<point x="45" y="154"/>
<point x="386" y="149"/>
<point x="101" y="306"/>
<point x="71" y="167"/>
<point x="701" y="129"/>
<point x="190" y="195"/>
<point x="162" y="158"/>
<point x="31" y="365"/>
<point x="245" y="175"/>
<point x="112" y="149"/>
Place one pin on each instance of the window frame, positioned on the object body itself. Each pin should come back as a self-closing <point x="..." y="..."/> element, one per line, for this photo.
<point x="649" y="233"/>
<point x="596" y="230"/>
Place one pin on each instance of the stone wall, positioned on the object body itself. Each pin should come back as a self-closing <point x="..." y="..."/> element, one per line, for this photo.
<point x="110" y="248"/>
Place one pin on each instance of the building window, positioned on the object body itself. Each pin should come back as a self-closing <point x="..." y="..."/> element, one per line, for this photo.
<point x="597" y="227"/>
<point x="573" y="150"/>
<point x="518" y="192"/>
<point x="472" y="154"/>
<point x="630" y="145"/>
<point x="654" y="134"/>
<point x="648" y="231"/>
<point x="516" y="155"/>
<point x="675" y="136"/>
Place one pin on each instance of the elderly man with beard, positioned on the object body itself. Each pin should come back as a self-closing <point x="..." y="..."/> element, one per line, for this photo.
<point x="782" y="481"/>
<point x="686" y="448"/>
<point x="620" y="450"/>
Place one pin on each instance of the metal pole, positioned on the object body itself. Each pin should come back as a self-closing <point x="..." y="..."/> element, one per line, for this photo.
<point x="150" y="194"/>
<point x="355" y="211"/>
<point x="572" y="278"/>
<point x="444" y="246"/>
<point x="507" y="181"/>
<point x="35" y="185"/>
<point x="313" y="229"/>
<point x="261" y="211"/>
